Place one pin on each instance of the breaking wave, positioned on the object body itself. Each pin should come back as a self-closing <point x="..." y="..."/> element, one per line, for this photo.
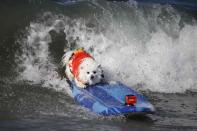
<point x="154" y="49"/>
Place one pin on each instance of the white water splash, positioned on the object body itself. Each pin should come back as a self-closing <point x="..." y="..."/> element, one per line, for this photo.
<point x="36" y="62"/>
<point x="153" y="50"/>
<point x="156" y="50"/>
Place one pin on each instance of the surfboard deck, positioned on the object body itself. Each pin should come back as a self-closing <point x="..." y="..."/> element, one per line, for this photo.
<point x="109" y="99"/>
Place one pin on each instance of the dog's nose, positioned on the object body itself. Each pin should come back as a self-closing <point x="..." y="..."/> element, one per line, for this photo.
<point x="92" y="77"/>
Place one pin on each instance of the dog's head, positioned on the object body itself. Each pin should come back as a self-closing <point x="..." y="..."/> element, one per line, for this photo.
<point x="90" y="72"/>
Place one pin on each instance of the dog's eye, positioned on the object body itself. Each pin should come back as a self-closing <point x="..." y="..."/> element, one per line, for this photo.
<point x="94" y="72"/>
<point x="88" y="72"/>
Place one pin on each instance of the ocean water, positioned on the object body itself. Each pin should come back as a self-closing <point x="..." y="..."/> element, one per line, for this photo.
<point x="150" y="47"/>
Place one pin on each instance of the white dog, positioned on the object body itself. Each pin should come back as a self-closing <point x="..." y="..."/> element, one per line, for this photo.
<point x="82" y="68"/>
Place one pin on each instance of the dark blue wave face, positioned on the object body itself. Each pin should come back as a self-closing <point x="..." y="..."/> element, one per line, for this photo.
<point x="186" y="4"/>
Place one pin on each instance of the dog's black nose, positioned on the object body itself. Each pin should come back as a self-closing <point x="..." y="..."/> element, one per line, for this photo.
<point x="87" y="84"/>
<point x="92" y="77"/>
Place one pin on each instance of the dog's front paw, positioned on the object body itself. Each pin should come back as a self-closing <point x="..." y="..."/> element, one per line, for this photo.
<point x="81" y="85"/>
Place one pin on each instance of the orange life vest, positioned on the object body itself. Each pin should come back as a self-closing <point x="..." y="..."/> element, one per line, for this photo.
<point x="76" y="59"/>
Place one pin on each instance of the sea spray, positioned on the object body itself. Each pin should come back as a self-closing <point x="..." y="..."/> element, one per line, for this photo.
<point x="36" y="63"/>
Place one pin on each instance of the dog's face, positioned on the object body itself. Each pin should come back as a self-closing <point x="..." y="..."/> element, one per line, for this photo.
<point x="90" y="72"/>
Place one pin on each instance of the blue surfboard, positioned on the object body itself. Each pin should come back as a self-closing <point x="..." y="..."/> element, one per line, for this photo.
<point x="109" y="99"/>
